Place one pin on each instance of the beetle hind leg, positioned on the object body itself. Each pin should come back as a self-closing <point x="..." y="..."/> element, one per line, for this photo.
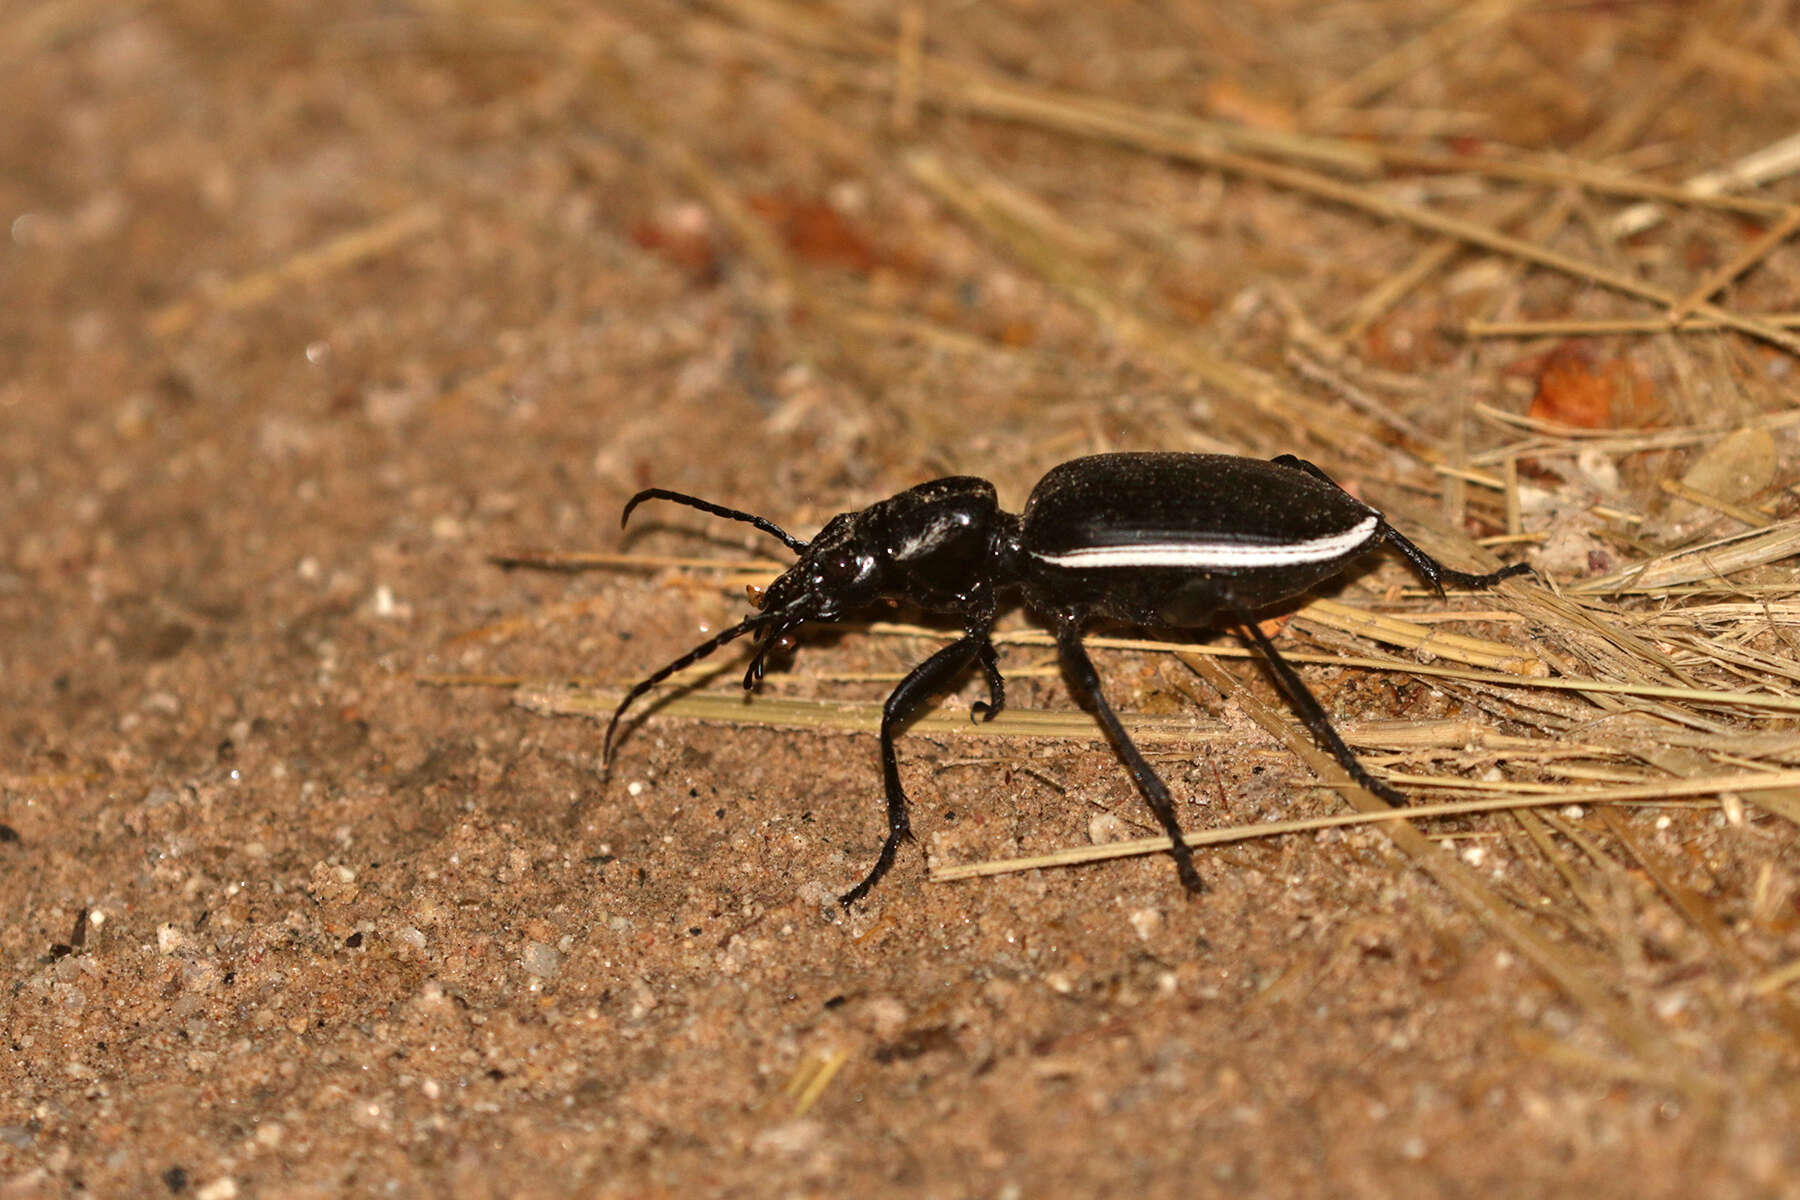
<point x="1149" y="783"/>
<point x="1430" y="569"/>
<point x="1436" y="573"/>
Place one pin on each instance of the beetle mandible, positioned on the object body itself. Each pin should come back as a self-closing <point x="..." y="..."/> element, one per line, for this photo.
<point x="1164" y="540"/>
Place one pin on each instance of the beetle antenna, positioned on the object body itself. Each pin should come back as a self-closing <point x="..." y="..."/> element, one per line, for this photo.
<point x="754" y="621"/>
<point x="718" y="510"/>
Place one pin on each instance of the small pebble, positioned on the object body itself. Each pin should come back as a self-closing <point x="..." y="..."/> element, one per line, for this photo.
<point x="1105" y="827"/>
<point x="541" y="960"/>
<point x="1148" y="922"/>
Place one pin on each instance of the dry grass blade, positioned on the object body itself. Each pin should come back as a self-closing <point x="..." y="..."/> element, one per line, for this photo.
<point x="1564" y="171"/>
<point x="1777" y="979"/>
<point x="34" y="780"/>
<point x="1553" y="798"/>
<point x="1464" y="22"/>
<point x="1713" y="561"/>
<point x="1692" y="906"/>
<point x="1409" y="635"/>
<point x="812" y="1077"/>
<point x="942" y="77"/>
<point x="315" y="263"/>
<point x="1507" y="666"/>
<point x="1698" y="911"/>
<point x="787" y="712"/>
<point x="1752" y="254"/>
<point x="1779" y="158"/>
<point x="583" y="560"/>
<point x="1610" y="326"/>
<point x="1070" y="724"/>
<point x="1541" y="840"/>
<point x="992" y="95"/>
<point x="1393" y="630"/>
<point x="1419" y="639"/>
<point x="1721" y="698"/>
<point x="1748" y="516"/>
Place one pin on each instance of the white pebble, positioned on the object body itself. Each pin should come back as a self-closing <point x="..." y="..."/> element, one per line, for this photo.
<point x="541" y="960"/>
<point x="1148" y="922"/>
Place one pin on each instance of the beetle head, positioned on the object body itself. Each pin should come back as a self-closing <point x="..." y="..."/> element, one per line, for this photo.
<point x="925" y="546"/>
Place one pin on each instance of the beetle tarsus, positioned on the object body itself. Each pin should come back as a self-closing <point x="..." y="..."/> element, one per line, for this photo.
<point x="1481" y="583"/>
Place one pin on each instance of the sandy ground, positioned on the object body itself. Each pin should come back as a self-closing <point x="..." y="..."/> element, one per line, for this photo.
<point x="308" y="311"/>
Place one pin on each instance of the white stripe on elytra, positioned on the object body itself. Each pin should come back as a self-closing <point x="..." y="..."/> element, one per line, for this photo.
<point x="1217" y="555"/>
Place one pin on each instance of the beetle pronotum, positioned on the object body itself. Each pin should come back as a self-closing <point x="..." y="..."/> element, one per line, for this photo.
<point x="1161" y="540"/>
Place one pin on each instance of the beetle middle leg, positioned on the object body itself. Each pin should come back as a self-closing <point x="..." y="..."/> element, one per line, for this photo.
<point x="928" y="677"/>
<point x="1149" y="783"/>
<point x="1311" y="712"/>
<point x="987" y="710"/>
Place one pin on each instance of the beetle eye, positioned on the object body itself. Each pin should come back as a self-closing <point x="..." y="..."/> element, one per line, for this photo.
<point x="838" y="569"/>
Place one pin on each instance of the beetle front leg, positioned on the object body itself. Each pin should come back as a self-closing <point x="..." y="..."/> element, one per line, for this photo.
<point x="1150" y="785"/>
<point x="928" y="677"/>
<point x="1312" y="713"/>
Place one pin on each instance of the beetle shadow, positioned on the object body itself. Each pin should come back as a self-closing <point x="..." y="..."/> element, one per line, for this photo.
<point x="777" y="660"/>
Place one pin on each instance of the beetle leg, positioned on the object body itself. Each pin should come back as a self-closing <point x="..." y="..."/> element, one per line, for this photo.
<point x="1150" y="785"/>
<point x="918" y="685"/>
<point x="987" y="710"/>
<point x="1430" y="569"/>
<point x="1436" y="573"/>
<point x="1312" y="713"/>
<point x="1300" y="464"/>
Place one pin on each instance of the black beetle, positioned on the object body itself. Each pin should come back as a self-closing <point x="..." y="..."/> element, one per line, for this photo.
<point x="1158" y="540"/>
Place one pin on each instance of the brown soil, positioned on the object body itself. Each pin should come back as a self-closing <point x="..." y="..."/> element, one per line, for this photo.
<point x="311" y="309"/>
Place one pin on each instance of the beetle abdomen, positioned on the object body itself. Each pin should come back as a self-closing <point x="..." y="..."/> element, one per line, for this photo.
<point x="1175" y="538"/>
<point x="1253" y="511"/>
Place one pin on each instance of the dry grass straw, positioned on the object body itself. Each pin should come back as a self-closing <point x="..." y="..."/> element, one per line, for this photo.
<point x="964" y="88"/>
<point x="307" y="266"/>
